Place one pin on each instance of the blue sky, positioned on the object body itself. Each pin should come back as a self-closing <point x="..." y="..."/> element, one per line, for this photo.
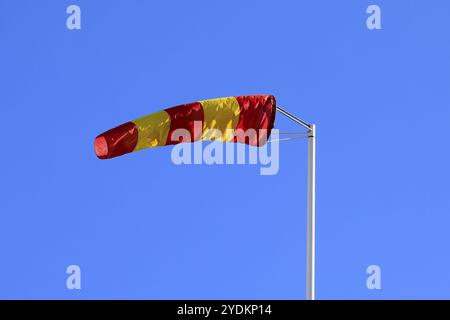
<point x="141" y="227"/>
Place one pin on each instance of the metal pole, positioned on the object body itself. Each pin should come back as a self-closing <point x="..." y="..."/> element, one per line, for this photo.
<point x="294" y="118"/>
<point x="311" y="220"/>
<point x="311" y="216"/>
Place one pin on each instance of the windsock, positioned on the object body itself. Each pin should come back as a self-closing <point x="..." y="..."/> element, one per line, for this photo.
<point x="226" y="119"/>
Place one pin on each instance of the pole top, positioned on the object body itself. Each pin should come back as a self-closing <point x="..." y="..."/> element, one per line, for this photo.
<point x="312" y="131"/>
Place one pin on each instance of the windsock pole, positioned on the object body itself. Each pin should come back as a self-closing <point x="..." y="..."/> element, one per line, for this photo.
<point x="311" y="234"/>
<point x="311" y="208"/>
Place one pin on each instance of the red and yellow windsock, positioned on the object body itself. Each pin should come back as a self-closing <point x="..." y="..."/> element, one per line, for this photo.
<point x="255" y="112"/>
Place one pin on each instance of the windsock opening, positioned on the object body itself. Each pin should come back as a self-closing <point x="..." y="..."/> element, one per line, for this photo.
<point x="101" y="147"/>
<point x="117" y="141"/>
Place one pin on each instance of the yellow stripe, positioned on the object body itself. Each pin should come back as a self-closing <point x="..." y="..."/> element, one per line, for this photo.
<point x="220" y="114"/>
<point x="152" y="130"/>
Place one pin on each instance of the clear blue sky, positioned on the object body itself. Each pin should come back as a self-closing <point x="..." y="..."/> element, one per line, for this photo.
<point x="141" y="227"/>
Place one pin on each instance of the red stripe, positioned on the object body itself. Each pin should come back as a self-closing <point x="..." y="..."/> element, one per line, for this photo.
<point x="257" y="112"/>
<point x="183" y="117"/>
<point x="117" y="141"/>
